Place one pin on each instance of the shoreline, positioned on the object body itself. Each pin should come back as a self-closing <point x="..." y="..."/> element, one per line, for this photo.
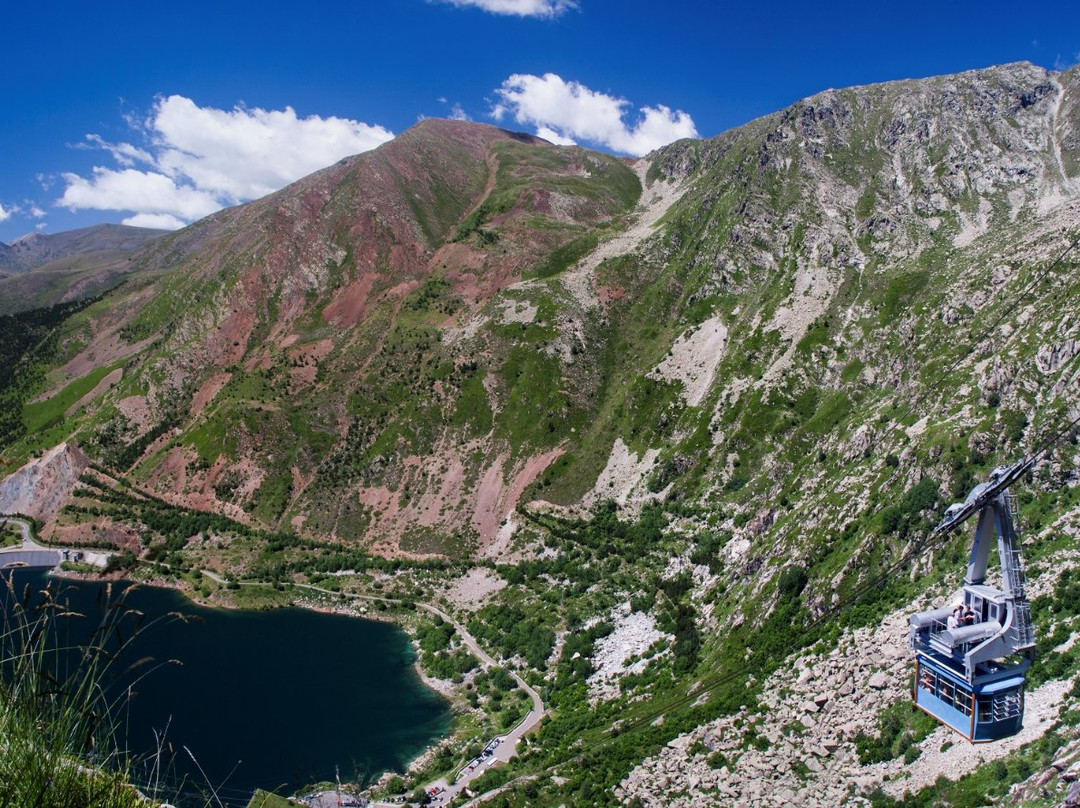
<point x="412" y="761"/>
<point x="398" y="611"/>
<point x="452" y="694"/>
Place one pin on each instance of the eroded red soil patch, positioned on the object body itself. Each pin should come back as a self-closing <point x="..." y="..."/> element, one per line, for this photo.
<point x="349" y="305"/>
<point x="205" y="394"/>
<point x="497" y="497"/>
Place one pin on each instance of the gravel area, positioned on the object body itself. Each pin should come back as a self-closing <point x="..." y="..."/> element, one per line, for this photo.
<point x="472" y="589"/>
<point x="632" y="638"/>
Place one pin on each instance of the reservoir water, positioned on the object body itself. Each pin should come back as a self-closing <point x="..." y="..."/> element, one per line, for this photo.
<point x="270" y="699"/>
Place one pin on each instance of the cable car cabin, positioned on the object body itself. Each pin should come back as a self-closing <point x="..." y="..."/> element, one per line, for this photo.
<point x="985" y="709"/>
<point x="971" y="655"/>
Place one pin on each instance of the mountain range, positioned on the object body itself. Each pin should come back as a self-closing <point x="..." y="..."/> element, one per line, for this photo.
<point x="40" y="269"/>
<point x="792" y="344"/>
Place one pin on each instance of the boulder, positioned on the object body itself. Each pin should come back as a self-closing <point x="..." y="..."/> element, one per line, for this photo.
<point x="1073" y="797"/>
<point x="680" y="744"/>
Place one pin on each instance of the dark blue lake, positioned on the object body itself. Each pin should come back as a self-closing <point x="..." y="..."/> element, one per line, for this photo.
<point x="270" y="699"/>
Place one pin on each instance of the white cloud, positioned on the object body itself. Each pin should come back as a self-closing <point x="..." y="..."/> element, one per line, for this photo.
<point x="139" y="191"/>
<point x="559" y="139"/>
<point x="156" y="221"/>
<point x="458" y="113"/>
<point x="243" y="154"/>
<point x="199" y="159"/>
<point x="566" y="111"/>
<point x="5" y="213"/>
<point x="545" y="9"/>
<point x="124" y="153"/>
<point x="36" y="212"/>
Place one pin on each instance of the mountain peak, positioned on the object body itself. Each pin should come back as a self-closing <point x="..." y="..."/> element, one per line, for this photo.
<point x="28" y="238"/>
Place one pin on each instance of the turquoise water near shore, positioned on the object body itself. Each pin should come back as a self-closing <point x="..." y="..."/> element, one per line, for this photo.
<point x="270" y="699"/>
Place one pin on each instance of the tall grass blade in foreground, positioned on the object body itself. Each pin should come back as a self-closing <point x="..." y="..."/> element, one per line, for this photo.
<point x="58" y="743"/>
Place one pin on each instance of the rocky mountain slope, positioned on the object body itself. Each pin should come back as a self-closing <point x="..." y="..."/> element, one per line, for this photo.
<point x="313" y="321"/>
<point x="684" y="406"/>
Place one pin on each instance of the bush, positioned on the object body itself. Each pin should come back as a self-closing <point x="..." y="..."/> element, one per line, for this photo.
<point x="792" y="582"/>
<point x="900" y="727"/>
<point x="514" y="632"/>
<point x="909" y="514"/>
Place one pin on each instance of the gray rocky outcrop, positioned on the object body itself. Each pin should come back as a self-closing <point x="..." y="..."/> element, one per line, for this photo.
<point x="42" y="486"/>
<point x="799" y="747"/>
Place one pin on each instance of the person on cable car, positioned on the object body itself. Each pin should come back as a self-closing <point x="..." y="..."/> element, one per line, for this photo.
<point x="954" y="616"/>
<point x="968" y="617"/>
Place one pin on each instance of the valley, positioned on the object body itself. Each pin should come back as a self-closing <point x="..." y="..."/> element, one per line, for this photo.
<point x="661" y="440"/>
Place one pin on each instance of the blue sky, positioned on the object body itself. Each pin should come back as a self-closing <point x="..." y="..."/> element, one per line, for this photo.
<point x="158" y="114"/>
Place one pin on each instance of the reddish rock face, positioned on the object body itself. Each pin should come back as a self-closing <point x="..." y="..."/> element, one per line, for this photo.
<point x="310" y="343"/>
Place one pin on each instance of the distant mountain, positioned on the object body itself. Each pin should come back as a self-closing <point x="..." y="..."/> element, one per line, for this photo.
<point x="37" y="249"/>
<point x="495" y="304"/>
<point x="40" y="269"/>
<point x="8" y="262"/>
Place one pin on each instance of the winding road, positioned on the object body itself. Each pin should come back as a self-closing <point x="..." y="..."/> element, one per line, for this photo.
<point x="503" y="747"/>
<point x="42" y="556"/>
<point x="27" y="553"/>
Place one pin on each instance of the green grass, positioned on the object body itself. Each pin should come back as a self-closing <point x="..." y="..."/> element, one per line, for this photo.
<point x="900" y="292"/>
<point x="609" y="188"/>
<point x="42" y="415"/>
<point x="457" y="545"/>
<point x="273" y="495"/>
<point x="9" y="535"/>
<point x="900" y="727"/>
<point x="472" y="411"/>
<point x="259" y="597"/>
<point x="539" y="410"/>
<point x="218" y="435"/>
<point x="264" y="799"/>
<point x="54" y="712"/>
<point x="562" y="258"/>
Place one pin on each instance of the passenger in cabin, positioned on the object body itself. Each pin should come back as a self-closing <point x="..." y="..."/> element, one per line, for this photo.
<point x="968" y="617"/>
<point x="954" y="616"/>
